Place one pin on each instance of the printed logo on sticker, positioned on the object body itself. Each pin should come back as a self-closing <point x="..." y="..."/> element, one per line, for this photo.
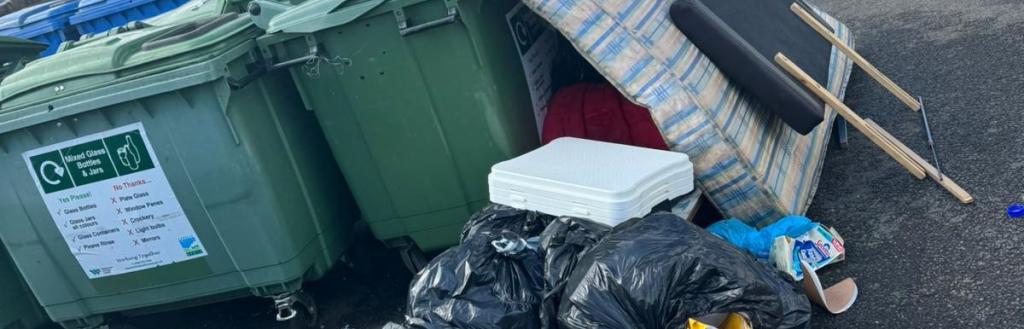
<point x="188" y="244"/>
<point x="98" y="271"/>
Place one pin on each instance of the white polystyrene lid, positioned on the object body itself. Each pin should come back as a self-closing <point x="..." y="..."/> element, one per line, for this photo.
<point x="605" y="170"/>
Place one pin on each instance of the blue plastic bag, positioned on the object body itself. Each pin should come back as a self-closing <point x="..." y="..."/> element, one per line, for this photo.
<point x="757" y="242"/>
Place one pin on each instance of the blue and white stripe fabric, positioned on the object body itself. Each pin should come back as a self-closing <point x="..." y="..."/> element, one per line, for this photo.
<point x="748" y="162"/>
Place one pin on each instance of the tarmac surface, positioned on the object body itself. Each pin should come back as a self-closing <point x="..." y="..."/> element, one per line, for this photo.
<point x="921" y="259"/>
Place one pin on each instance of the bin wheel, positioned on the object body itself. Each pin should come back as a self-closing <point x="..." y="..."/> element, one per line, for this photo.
<point x="303" y="320"/>
<point x="413" y="258"/>
<point x="297" y="311"/>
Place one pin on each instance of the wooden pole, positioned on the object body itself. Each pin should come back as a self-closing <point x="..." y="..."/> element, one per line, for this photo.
<point x="857" y="58"/>
<point x="850" y="116"/>
<point x="945" y="182"/>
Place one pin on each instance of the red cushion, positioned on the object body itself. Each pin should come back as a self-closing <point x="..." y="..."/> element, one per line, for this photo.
<point x="599" y="112"/>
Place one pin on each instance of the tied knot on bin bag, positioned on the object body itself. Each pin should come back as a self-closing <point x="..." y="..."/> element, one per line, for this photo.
<point x="493" y="279"/>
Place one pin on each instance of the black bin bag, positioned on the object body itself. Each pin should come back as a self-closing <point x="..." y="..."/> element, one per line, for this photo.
<point x="496" y="218"/>
<point x="562" y="244"/>
<point x="657" y="272"/>
<point x="493" y="279"/>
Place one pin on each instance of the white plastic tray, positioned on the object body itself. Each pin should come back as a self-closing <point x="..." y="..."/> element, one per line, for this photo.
<point x="604" y="182"/>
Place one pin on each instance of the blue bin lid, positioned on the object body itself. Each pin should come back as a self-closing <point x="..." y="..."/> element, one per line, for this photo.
<point x="38" y="19"/>
<point x="92" y="9"/>
<point x="89" y="3"/>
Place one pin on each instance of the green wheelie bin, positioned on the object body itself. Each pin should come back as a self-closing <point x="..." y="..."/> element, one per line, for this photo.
<point x="14" y="53"/>
<point x="18" y="310"/>
<point x="418" y="99"/>
<point x="160" y="167"/>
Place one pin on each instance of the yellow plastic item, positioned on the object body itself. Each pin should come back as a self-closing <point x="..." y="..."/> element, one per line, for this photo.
<point x="694" y="324"/>
<point x="733" y="321"/>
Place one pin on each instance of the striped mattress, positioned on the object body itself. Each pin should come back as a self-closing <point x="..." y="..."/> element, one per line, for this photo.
<point x="747" y="161"/>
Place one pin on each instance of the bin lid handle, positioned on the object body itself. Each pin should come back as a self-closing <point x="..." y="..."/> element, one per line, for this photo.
<point x="188" y="31"/>
<point x="316" y="15"/>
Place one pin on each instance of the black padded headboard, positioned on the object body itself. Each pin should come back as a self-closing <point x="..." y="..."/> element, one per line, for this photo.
<point x="742" y="37"/>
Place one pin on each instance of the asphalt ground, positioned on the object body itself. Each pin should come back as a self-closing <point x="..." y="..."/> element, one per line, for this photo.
<point x="921" y="259"/>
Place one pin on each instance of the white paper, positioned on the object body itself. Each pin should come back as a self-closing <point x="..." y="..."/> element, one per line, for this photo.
<point x="111" y="201"/>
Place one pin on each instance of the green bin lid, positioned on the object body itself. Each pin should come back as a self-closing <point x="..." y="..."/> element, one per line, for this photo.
<point x="14" y="52"/>
<point x="130" y="52"/>
<point x="310" y="16"/>
<point x="14" y="49"/>
<point x="124" y="64"/>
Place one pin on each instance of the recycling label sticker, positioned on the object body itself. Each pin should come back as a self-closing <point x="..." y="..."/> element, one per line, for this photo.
<point x="112" y="203"/>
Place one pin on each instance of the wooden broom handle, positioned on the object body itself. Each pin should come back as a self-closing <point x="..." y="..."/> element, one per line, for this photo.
<point x="850" y="116"/>
<point x="945" y="182"/>
<point x="904" y="97"/>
